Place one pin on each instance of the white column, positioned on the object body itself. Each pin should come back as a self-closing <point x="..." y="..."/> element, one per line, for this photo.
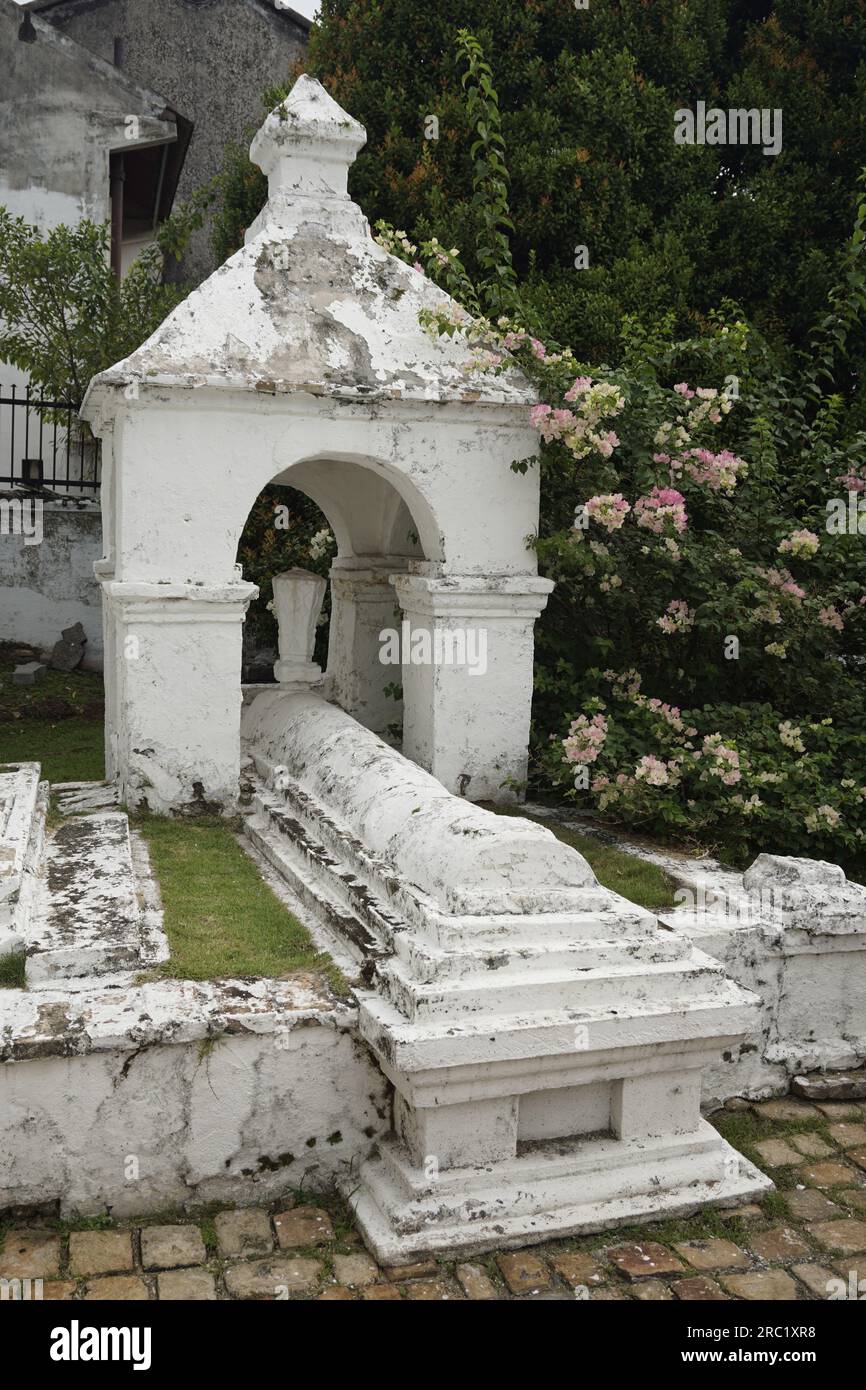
<point x="467" y="679"/>
<point x="177" y="659"/>
<point x="363" y="605"/>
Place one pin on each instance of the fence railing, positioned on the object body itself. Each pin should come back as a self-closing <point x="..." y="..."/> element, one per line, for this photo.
<point x="44" y="444"/>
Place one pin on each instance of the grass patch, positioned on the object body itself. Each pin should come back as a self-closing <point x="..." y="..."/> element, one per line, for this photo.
<point x="633" y="878"/>
<point x="58" y="722"/>
<point x="221" y="918"/>
<point x="69" y="751"/>
<point x="12" y="970"/>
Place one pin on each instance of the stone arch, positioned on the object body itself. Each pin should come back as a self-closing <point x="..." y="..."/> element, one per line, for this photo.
<point x="378" y="518"/>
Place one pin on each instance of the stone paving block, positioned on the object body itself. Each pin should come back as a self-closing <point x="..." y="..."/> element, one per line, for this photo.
<point x="850" y="1085"/>
<point x="245" y="1232"/>
<point x="303" y="1226"/>
<point x="840" y="1110"/>
<point x="700" y="1289"/>
<point x="780" y="1244"/>
<point x="430" y="1291"/>
<point x="847" y="1135"/>
<point x="645" y="1260"/>
<point x="713" y="1254"/>
<point x="58" y="1290"/>
<point x="272" y="1278"/>
<point x="776" y="1153"/>
<point x="29" y="673"/>
<point x="652" y="1291"/>
<point x="809" y="1205"/>
<point x="100" y="1252"/>
<point x="476" y="1283"/>
<point x="523" y="1272"/>
<point x="852" y="1267"/>
<point x="748" y="1213"/>
<point x="337" y="1293"/>
<point x="827" y="1174"/>
<point x="381" y="1293"/>
<point x="29" y="1254"/>
<point x="120" y="1288"/>
<point x="811" y="1146"/>
<point x="815" y="1277"/>
<point x="170" y="1247"/>
<point x="761" y="1286"/>
<point x="186" y="1285"/>
<point x="853" y="1197"/>
<point x="787" y="1108"/>
<point x="578" y="1269"/>
<point x="857" y="1156"/>
<point x="423" y="1269"/>
<point x="609" y="1295"/>
<point x="842" y="1237"/>
<point x="356" y="1269"/>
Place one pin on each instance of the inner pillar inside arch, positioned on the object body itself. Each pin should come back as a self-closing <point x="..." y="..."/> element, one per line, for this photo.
<point x="377" y="539"/>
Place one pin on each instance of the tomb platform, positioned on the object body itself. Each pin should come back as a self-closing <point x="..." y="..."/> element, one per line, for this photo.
<point x="545" y="1038"/>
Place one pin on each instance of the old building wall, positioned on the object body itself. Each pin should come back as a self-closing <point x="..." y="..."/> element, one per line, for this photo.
<point x="210" y="59"/>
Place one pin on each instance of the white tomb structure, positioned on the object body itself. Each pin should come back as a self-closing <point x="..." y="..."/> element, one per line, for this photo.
<point x="545" y="1038"/>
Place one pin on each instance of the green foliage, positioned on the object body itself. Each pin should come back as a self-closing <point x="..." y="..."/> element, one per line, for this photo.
<point x="694" y="558"/>
<point x="587" y="99"/>
<point x="284" y="529"/>
<point x="63" y="315"/>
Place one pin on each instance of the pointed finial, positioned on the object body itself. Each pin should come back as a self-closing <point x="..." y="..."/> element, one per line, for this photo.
<point x="307" y="144"/>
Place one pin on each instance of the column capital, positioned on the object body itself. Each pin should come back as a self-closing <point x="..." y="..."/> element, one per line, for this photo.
<point x="520" y="596"/>
<point x="181" y="602"/>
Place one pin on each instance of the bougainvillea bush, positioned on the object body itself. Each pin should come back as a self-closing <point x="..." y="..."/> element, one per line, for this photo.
<point x="700" y="665"/>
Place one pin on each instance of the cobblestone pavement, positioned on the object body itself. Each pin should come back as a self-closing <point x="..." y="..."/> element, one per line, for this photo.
<point x="803" y="1237"/>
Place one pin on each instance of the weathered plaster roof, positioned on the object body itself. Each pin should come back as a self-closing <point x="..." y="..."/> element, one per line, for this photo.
<point x="311" y="303"/>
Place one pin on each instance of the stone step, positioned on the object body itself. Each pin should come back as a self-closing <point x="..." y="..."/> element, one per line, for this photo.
<point x="386" y="904"/>
<point x="340" y="904"/>
<point x="662" y="983"/>
<point x="23" y="803"/>
<point x="512" y="958"/>
<point x="87" y="921"/>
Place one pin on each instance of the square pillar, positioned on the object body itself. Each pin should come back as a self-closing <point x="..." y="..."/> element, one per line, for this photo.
<point x="467" y="648"/>
<point x="176" y="699"/>
<point x="454" y="1136"/>
<point x="660" y="1103"/>
<point x="363" y="605"/>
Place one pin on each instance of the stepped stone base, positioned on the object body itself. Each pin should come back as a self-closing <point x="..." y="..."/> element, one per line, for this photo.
<point x="553" y="1190"/>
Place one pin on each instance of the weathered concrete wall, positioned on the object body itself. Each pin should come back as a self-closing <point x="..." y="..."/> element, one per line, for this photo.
<point x="137" y="1100"/>
<point x="49" y="586"/>
<point x="210" y="59"/>
<point x="62" y="111"/>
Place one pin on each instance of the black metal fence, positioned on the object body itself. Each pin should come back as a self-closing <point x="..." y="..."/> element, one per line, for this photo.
<point x="44" y="444"/>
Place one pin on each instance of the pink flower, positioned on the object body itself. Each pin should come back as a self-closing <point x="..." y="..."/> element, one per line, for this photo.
<point x="608" y="509"/>
<point x="585" y="739"/>
<point x="683" y="388"/>
<point x="655" y="772"/>
<point x="678" y="617"/>
<point x="663" y="505"/>
<point x="723" y="761"/>
<point x="828" y="617"/>
<point x="581" y="384"/>
<point x="803" y="544"/>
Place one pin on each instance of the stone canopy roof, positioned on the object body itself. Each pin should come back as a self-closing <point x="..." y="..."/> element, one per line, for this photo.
<point x="311" y="302"/>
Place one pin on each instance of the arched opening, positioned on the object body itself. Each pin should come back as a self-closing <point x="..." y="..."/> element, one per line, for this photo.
<point x="347" y="520"/>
